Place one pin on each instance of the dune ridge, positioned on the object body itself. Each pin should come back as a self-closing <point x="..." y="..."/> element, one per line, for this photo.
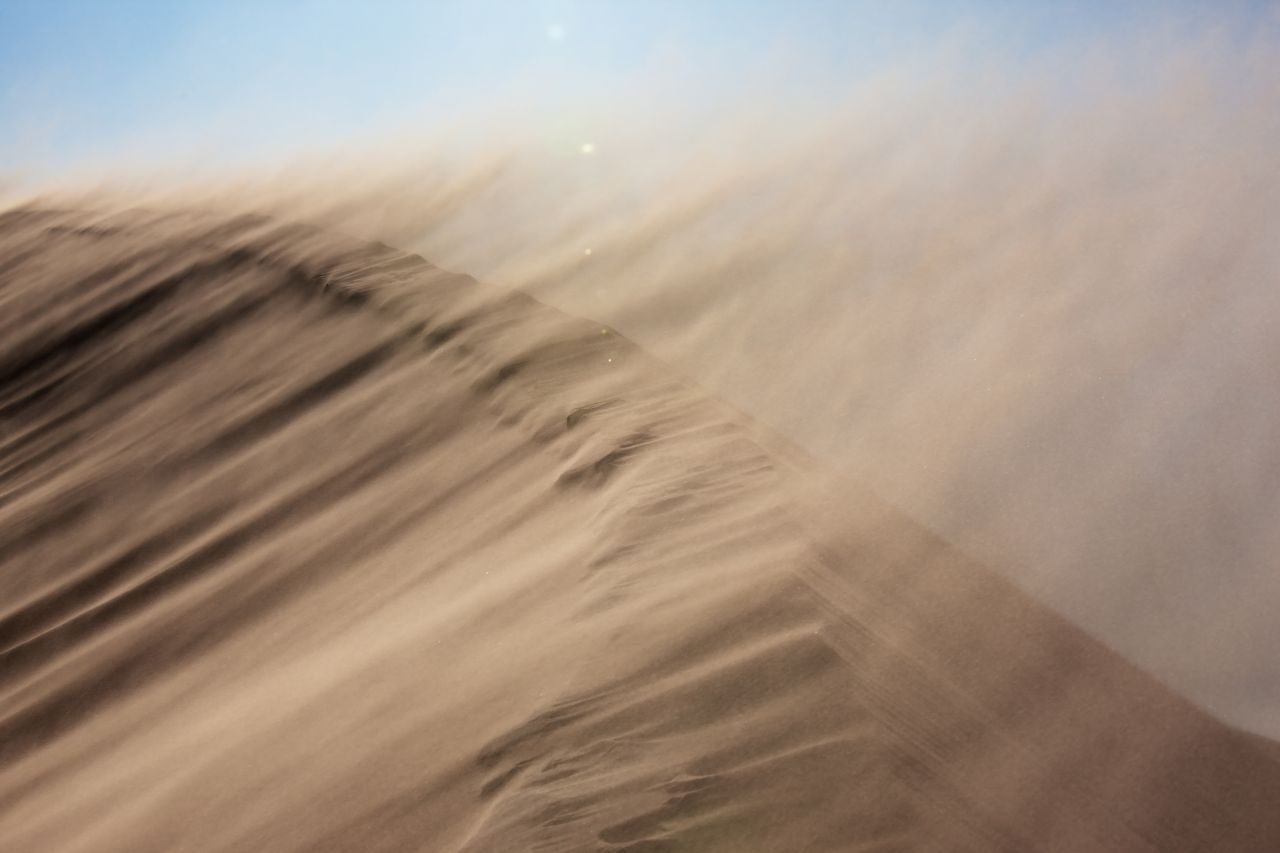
<point x="308" y="544"/>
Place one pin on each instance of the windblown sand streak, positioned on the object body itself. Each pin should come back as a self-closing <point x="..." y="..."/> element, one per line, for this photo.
<point x="310" y="545"/>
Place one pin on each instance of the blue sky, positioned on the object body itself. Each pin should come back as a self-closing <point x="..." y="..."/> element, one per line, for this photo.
<point x="85" y="81"/>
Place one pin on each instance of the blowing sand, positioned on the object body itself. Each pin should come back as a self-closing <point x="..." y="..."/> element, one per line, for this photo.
<point x="306" y="544"/>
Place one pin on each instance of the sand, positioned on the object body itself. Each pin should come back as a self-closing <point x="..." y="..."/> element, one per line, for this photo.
<point x="306" y="544"/>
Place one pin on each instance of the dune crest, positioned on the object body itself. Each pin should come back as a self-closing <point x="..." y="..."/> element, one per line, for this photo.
<point x="307" y="544"/>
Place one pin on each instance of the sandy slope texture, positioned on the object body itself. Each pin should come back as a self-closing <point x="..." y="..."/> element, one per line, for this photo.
<point x="306" y="544"/>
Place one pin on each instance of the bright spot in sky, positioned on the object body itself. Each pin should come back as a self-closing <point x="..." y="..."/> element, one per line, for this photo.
<point x="587" y="148"/>
<point x="586" y="251"/>
<point x="556" y="32"/>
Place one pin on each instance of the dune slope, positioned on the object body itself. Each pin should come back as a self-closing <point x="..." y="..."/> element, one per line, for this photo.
<point x="306" y="544"/>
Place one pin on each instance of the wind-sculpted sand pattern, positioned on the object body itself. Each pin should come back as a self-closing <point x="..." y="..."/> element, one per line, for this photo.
<point x="306" y="544"/>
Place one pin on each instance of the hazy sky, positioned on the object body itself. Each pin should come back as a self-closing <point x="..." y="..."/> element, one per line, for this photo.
<point x="93" y="82"/>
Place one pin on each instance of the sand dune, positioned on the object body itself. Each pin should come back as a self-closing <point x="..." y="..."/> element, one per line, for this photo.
<point x="307" y="544"/>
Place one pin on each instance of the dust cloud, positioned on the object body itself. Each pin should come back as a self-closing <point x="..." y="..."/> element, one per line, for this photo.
<point x="1030" y="301"/>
